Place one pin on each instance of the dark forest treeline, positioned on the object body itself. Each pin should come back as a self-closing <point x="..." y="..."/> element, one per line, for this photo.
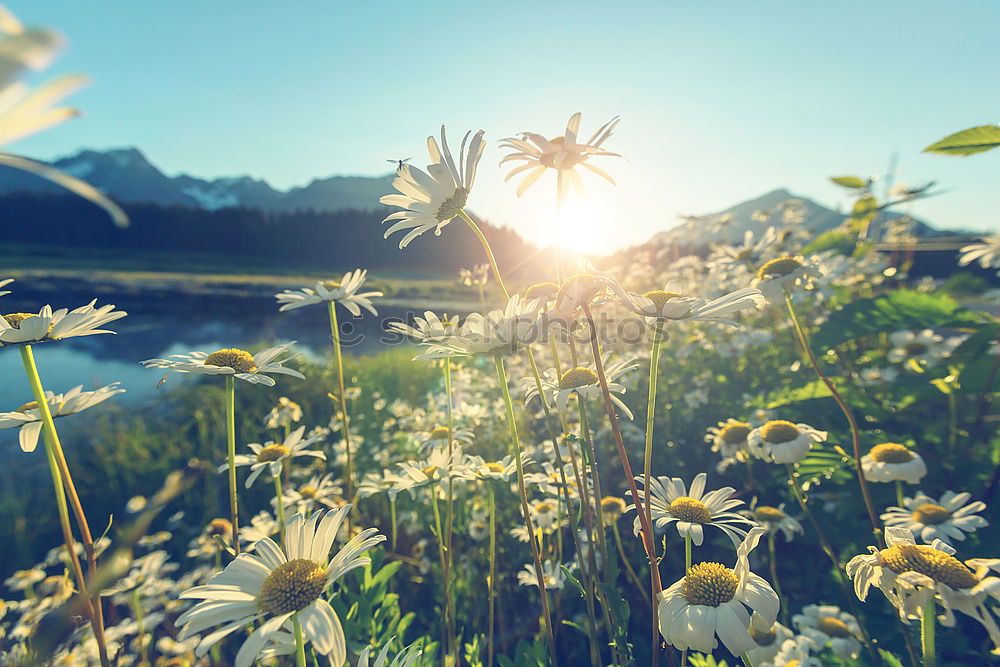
<point x="306" y="239"/>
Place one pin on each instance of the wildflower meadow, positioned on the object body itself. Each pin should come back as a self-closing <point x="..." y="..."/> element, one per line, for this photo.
<point x="778" y="451"/>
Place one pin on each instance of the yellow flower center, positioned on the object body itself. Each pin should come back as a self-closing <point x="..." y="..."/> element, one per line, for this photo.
<point x="238" y="360"/>
<point x="308" y="492"/>
<point x="577" y="377"/>
<point x="709" y="584"/>
<point x="833" y="627"/>
<point x="291" y="587"/>
<point x="220" y="527"/>
<point x="579" y="288"/>
<point x="30" y="405"/>
<point x="429" y="471"/>
<point x="763" y="638"/>
<point x="768" y="514"/>
<point x="779" y="268"/>
<point x="15" y="319"/>
<point x="794" y="662"/>
<point x="494" y="468"/>
<point x="612" y="507"/>
<point x="778" y="431"/>
<point x="331" y="284"/>
<point x="272" y="453"/>
<point x="735" y="433"/>
<point x="544" y="508"/>
<point x="545" y="291"/>
<point x="660" y="297"/>
<point x="890" y="452"/>
<point x="915" y="348"/>
<point x="439" y="433"/>
<point x="932" y="514"/>
<point x="452" y="205"/>
<point x="691" y="510"/>
<point x="928" y="561"/>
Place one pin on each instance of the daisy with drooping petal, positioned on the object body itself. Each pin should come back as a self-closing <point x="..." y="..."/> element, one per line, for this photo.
<point x="282" y="586"/>
<point x="729" y="438"/>
<point x="775" y="519"/>
<point x="710" y="604"/>
<point x="669" y="304"/>
<point x="946" y="518"/>
<point x="345" y="292"/>
<point x="779" y="276"/>
<point x="693" y="509"/>
<point x="583" y="382"/>
<point x="29" y="419"/>
<point x="781" y="441"/>
<point x="432" y="199"/>
<point x="563" y="153"/>
<point x="828" y="625"/>
<point x="912" y="575"/>
<point x="252" y="368"/>
<point x="48" y="325"/>
<point x="271" y="456"/>
<point x="892" y="462"/>
<point x="499" y="332"/>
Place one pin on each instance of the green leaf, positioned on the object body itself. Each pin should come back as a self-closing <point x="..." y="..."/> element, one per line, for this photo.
<point x="968" y="142"/>
<point x="822" y="464"/>
<point x="902" y="309"/>
<point x="890" y="659"/>
<point x="855" y="182"/>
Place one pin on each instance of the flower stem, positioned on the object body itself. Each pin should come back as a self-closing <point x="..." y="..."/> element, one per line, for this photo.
<point x="300" y="643"/>
<point x="392" y="517"/>
<point x="279" y="496"/>
<point x="443" y="558"/>
<point x="899" y="493"/>
<point x="486" y="247"/>
<point x="746" y="660"/>
<point x="927" y="634"/>
<point x="647" y="461"/>
<point x="687" y="553"/>
<point x="140" y="626"/>
<point x="492" y="580"/>
<point x="63" y="484"/>
<point x="773" y="562"/>
<point x="851" y="421"/>
<point x="342" y="395"/>
<point x="633" y="577"/>
<point x="231" y="459"/>
<point x="449" y="509"/>
<point x="536" y="557"/>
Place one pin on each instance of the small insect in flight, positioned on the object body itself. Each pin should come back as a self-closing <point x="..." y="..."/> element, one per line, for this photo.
<point x="399" y="162"/>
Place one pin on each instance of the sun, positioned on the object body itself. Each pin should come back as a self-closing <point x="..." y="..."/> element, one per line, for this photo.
<point x="584" y="226"/>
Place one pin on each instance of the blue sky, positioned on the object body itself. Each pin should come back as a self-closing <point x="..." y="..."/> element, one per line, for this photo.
<point x="721" y="101"/>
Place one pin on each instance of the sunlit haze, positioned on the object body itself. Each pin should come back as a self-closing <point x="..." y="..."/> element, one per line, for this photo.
<point x="720" y="102"/>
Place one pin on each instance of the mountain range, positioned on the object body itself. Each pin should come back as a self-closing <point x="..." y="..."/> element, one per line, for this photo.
<point x="127" y="176"/>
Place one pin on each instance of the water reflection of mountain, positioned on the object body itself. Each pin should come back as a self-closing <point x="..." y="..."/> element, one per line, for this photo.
<point x="165" y="321"/>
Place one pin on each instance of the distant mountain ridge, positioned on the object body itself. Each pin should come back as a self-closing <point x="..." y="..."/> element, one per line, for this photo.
<point x="126" y="175"/>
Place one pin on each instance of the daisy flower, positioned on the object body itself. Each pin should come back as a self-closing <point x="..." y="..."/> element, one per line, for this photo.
<point x="545" y="514"/>
<point x="345" y="292"/>
<point x="946" y="518"/>
<point x="987" y="253"/>
<point x="891" y="462"/>
<point x="272" y="456"/>
<point x="579" y="290"/>
<point x="711" y="601"/>
<point x="437" y="467"/>
<point x="552" y="575"/>
<point x="583" y="382"/>
<point x="692" y="509"/>
<point x="285" y="413"/>
<point x="431" y="199"/>
<point x="828" y="625"/>
<point x="782" y="441"/>
<point x="48" y="325"/>
<point x="910" y="575"/>
<point x="498" y="332"/>
<point x="781" y="275"/>
<point x="729" y="438"/>
<point x="279" y="586"/>
<point x="923" y="347"/>
<point x="768" y="641"/>
<point x="563" y="153"/>
<point x="493" y="471"/>
<point x="439" y="435"/>
<point x="775" y="519"/>
<point x="29" y="420"/>
<point x="252" y="368"/>
<point x="428" y="328"/>
<point x="669" y="304"/>
<point x="24" y="579"/>
<point x="317" y="492"/>
<point x="796" y="652"/>
<point x="877" y="376"/>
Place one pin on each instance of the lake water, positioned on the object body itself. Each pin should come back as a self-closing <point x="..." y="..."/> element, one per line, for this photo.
<point x="163" y="321"/>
